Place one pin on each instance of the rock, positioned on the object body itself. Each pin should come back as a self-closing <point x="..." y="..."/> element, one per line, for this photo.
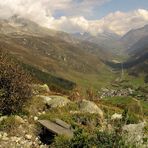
<point x="35" y="118"/>
<point x="134" y="133"/>
<point x="43" y="113"/>
<point x="28" y="137"/>
<point x="37" y="88"/>
<point x="90" y="107"/>
<point x="46" y="99"/>
<point x="130" y="91"/>
<point x="5" y="134"/>
<point x="57" y="101"/>
<point x="19" y="119"/>
<point x="116" y="116"/>
<point x="104" y="89"/>
<point x="5" y="138"/>
<point x="3" y="118"/>
<point x="16" y="139"/>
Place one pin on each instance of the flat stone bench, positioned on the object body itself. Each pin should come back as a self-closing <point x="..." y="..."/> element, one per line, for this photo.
<point x="58" y="127"/>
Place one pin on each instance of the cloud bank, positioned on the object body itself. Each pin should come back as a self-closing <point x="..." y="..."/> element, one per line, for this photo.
<point x="74" y="15"/>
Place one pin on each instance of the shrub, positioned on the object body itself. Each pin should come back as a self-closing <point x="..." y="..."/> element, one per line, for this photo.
<point x="9" y="125"/>
<point x="14" y="85"/>
<point x="60" y="142"/>
<point x="130" y="117"/>
<point x="96" y="139"/>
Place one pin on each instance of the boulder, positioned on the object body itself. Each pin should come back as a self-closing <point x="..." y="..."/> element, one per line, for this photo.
<point x="90" y="107"/>
<point x="57" y="101"/>
<point x="134" y="133"/>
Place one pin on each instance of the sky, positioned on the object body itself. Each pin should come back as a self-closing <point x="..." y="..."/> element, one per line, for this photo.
<point x="92" y="16"/>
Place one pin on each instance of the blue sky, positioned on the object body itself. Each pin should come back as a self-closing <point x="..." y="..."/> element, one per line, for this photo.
<point x="109" y="6"/>
<point x="119" y="5"/>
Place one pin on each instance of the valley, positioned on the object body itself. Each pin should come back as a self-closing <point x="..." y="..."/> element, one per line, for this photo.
<point x="95" y="85"/>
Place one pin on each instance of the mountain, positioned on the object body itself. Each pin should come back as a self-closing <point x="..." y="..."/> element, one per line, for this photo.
<point x="106" y="40"/>
<point x="133" y="36"/>
<point x="140" y="47"/>
<point x="139" y="56"/>
<point x="54" y="52"/>
<point x="137" y="61"/>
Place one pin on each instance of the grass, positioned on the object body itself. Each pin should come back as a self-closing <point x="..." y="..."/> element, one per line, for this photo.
<point x="136" y="81"/>
<point x="124" y="102"/>
<point x="89" y="80"/>
<point x="71" y="115"/>
<point x="54" y="82"/>
<point x="118" y="101"/>
<point x="145" y="107"/>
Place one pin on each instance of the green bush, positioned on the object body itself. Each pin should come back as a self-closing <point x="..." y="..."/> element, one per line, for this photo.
<point x="61" y="142"/>
<point x="96" y="139"/>
<point x="14" y="85"/>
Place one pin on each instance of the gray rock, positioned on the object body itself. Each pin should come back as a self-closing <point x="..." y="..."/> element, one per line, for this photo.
<point x="90" y="107"/>
<point x="57" y="101"/>
<point x="134" y="133"/>
<point x="46" y="99"/>
<point x="38" y="88"/>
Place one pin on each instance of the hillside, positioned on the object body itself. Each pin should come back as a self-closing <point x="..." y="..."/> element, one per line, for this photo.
<point x="133" y="36"/>
<point x="139" y="48"/>
<point x="106" y="40"/>
<point x="34" y="116"/>
<point x="60" y="56"/>
<point x="138" y="53"/>
<point x="139" y="56"/>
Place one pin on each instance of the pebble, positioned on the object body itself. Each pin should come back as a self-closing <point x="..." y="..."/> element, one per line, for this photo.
<point x="35" y="118"/>
<point x="28" y="137"/>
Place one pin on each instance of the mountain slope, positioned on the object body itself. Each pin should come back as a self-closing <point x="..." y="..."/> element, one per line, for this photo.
<point x="133" y="36"/>
<point x="140" y="47"/>
<point x="48" y="52"/>
<point x="139" y="56"/>
<point x="108" y="41"/>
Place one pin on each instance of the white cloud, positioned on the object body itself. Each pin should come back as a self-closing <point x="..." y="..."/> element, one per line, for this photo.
<point x="42" y="12"/>
<point x="117" y="22"/>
